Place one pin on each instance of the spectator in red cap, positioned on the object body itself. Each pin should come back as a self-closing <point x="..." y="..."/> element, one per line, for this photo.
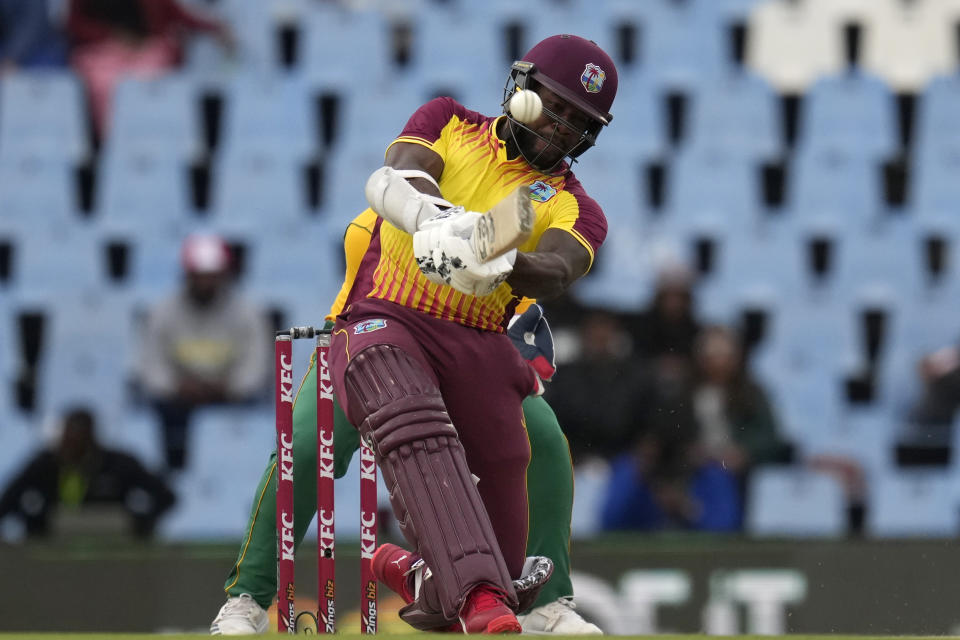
<point x="206" y="344"/>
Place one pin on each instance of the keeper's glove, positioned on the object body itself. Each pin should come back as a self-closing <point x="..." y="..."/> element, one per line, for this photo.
<point x="531" y="335"/>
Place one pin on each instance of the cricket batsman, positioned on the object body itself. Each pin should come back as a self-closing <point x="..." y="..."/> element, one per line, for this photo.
<point x="422" y="362"/>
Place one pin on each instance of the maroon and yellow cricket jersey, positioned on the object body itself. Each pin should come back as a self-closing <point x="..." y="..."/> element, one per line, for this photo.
<point x="476" y="175"/>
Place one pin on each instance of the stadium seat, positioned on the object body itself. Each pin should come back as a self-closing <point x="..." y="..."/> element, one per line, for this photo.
<point x="839" y="190"/>
<point x="822" y="339"/>
<point x="907" y="43"/>
<point x="227" y="451"/>
<point x="808" y="402"/>
<point x="791" y="45"/>
<point x="883" y="268"/>
<point x="617" y="182"/>
<point x="864" y="435"/>
<point x="253" y="190"/>
<point x="330" y="31"/>
<point x="143" y="193"/>
<point x="283" y="268"/>
<point x="622" y="278"/>
<point x="591" y="479"/>
<point x="445" y="46"/>
<point x="852" y="113"/>
<point x="757" y="269"/>
<point x="42" y="113"/>
<point x="935" y="189"/>
<point x="639" y="121"/>
<point x="88" y="354"/>
<point x="48" y="263"/>
<point x="37" y="193"/>
<point x="789" y="502"/>
<point x="935" y="123"/>
<point x="681" y="45"/>
<point x="737" y="113"/>
<point x="370" y="119"/>
<point x="19" y="440"/>
<point x="154" y="265"/>
<point x="716" y="183"/>
<point x="909" y="504"/>
<point x="917" y="330"/>
<point x="157" y="116"/>
<point x="268" y="113"/>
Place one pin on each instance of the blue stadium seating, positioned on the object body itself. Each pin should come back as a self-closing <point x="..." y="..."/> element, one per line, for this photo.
<point x="935" y="190"/>
<point x="88" y="354"/>
<point x="37" y="192"/>
<point x="294" y="262"/>
<point x="270" y="113"/>
<point x="715" y="183"/>
<point x="154" y="265"/>
<point x="616" y="181"/>
<point x="143" y="193"/>
<point x="737" y="113"/>
<point x="42" y="113"/>
<point x="936" y="124"/>
<point x="840" y="189"/>
<point x="880" y="268"/>
<point x="158" y="116"/>
<point x="255" y="190"/>
<point x="287" y="267"/>
<point x="681" y="45"/>
<point x="850" y="113"/>
<point x="345" y="49"/>
<point x="638" y="122"/>
<point x="227" y="451"/>
<point x="759" y="270"/>
<point x="903" y="504"/>
<point x="48" y="263"/>
<point x="622" y="277"/>
<point x="795" y="503"/>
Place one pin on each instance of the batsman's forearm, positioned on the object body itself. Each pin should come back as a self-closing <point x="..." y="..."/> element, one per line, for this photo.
<point x="541" y="275"/>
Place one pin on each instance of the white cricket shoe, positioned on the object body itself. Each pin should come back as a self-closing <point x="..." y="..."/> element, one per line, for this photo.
<point x="557" y="617"/>
<point x="240" y="616"/>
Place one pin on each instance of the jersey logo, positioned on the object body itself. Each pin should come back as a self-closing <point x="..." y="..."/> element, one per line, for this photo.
<point x="592" y="78"/>
<point x="369" y="325"/>
<point x="540" y="191"/>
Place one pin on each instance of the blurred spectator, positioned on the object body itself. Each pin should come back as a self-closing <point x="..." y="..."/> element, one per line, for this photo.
<point x="668" y="327"/>
<point x="80" y="475"/>
<point x="940" y="374"/>
<point x="595" y="395"/>
<point x="736" y="424"/>
<point x="110" y="38"/>
<point x="30" y="37"/>
<point x="697" y="438"/>
<point x="204" y="345"/>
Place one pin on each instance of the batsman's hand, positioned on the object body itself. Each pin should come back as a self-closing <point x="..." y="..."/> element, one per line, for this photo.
<point x="445" y="254"/>
<point x="531" y="335"/>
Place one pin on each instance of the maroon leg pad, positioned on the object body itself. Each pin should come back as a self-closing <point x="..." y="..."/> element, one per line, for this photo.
<point x="432" y="491"/>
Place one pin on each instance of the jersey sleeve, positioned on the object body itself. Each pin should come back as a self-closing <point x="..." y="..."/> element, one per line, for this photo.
<point x="425" y="127"/>
<point x="579" y="215"/>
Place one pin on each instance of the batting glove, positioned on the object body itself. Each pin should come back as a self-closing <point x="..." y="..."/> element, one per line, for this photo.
<point x="445" y="255"/>
<point x="531" y="335"/>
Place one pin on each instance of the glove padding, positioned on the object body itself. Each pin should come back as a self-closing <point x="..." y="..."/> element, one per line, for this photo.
<point x="444" y="254"/>
<point x="531" y="335"/>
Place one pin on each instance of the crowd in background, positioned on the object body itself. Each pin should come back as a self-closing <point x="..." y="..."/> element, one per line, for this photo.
<point x="665" y="395"/>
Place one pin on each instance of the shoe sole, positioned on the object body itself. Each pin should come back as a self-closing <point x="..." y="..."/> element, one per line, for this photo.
<point x="504" y="624"/>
